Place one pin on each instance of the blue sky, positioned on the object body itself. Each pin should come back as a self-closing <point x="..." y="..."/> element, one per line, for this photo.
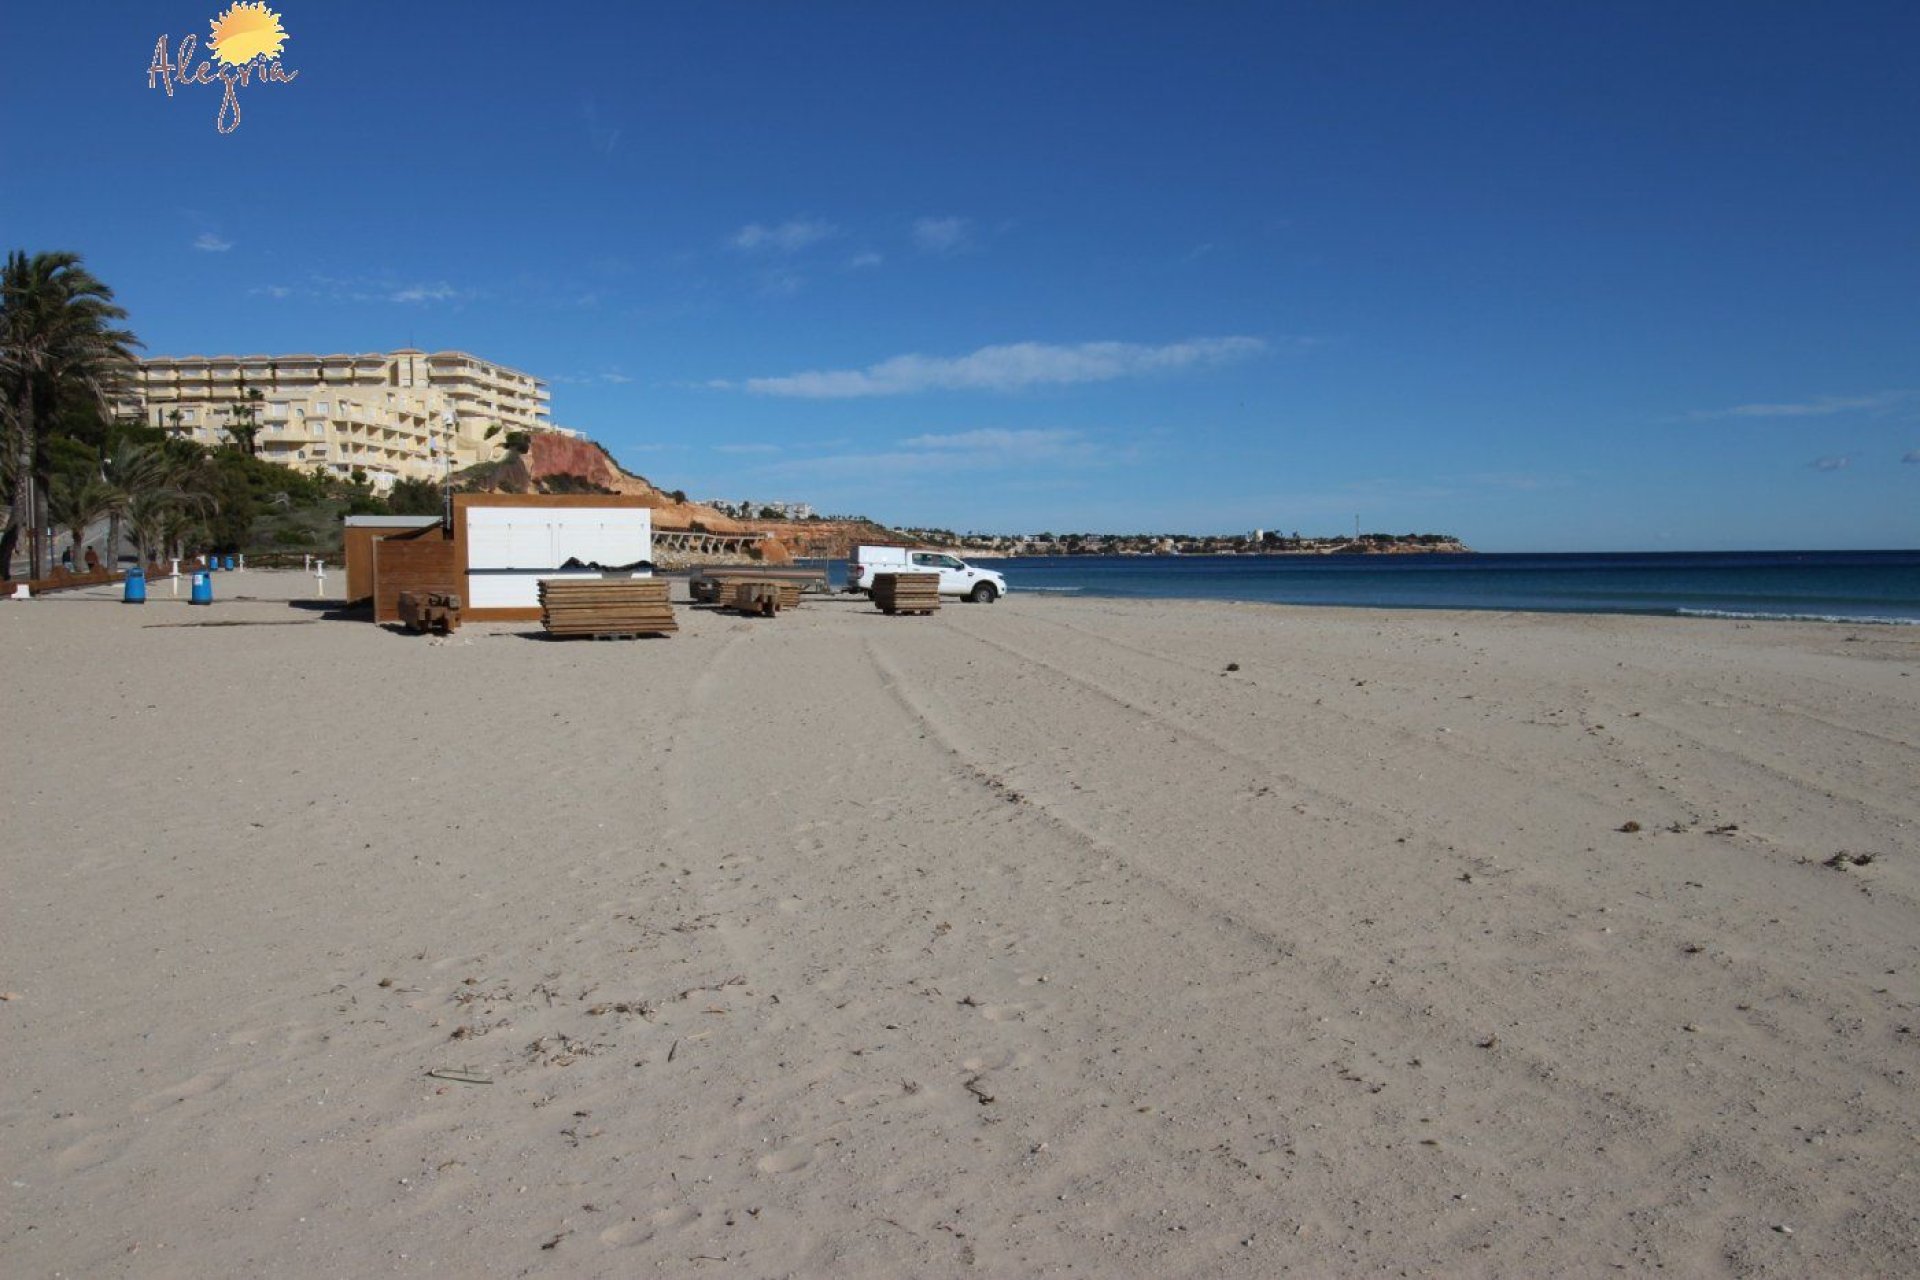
<point x="1561" y="276"/>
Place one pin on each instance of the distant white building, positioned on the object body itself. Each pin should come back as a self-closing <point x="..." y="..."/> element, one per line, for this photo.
<point x="748" y="509"/>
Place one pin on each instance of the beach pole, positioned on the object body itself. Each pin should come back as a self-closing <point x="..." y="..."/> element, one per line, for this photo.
<point x="243" y="562"/>
<point x="319" y="577"/>
<point x="175" y="577"/>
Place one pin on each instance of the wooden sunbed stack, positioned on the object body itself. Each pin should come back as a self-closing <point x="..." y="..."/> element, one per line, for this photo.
<point x="431" y="611"/>
<point x="755" y="590"/>
<point x="711" y="585"/>
<point x="606" y="607"/>
<point x="907" y="592"/>
<point x="764" y="599"/>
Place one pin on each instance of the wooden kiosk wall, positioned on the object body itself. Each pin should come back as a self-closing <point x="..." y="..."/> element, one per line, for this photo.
<point x="356" y="545"/>
<point x="422" y="560"/>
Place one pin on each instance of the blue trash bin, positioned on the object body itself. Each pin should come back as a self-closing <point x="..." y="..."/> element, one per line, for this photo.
<point x="229" y="562"/>
<point x="135" y="591"/>
<point x="202" y="588"/>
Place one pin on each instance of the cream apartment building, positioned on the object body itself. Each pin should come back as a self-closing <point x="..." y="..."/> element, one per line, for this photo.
<point x="393" y="415"/>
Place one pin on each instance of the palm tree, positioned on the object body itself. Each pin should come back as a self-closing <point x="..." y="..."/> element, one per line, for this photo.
<point x="57" y="342"/>
<point x="139" y="475"/>
<point x="245" y="427"/>
<point x="163" y="493"/>
<point x="75" y="502"/>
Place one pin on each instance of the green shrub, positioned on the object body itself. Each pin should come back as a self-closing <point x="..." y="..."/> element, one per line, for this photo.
<point x="415" y="498"/>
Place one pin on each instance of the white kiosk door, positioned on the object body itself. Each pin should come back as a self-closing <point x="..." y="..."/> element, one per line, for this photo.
<point x="509" y="549"/>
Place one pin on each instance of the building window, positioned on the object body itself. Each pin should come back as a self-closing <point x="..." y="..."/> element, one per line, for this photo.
<point x="319" y="430"/>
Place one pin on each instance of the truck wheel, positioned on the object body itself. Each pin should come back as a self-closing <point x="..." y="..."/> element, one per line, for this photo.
<point x="983" y="593"/>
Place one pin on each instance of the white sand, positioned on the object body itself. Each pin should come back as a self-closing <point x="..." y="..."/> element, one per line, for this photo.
<point x="1020" y="939"/>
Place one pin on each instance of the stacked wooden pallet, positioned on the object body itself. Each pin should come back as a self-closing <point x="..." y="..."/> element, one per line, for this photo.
<point x="605" y="607"/>
<point x="709" y="585"/>
<point x="434" y="611"/>
<point x="763" y="599"/>
<point x="787" y="592"/>
<point x="907" y="592"/>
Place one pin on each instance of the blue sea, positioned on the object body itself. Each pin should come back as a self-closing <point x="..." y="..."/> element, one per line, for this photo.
<point x="1826" y="586"/>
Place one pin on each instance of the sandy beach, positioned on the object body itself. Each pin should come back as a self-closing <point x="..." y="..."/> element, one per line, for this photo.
<point x="1061" y="936"/>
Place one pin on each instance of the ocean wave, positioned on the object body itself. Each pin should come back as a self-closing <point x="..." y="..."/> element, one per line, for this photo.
<point x="1053" y="590"/>
<point x="1846" y="618"/>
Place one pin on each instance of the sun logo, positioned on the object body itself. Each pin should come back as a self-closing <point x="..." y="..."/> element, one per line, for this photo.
<point x="247" y="30"/>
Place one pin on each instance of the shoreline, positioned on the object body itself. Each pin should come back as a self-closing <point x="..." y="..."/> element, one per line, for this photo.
<point x="1069" y="932"/>
<point x="1704" y="615"/>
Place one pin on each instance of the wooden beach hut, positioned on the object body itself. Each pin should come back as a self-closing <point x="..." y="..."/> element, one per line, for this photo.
<point x="501" y="546"/>
<point x="357" y="547"/>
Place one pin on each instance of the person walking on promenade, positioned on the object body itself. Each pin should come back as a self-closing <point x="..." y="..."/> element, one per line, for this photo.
<point x="93" y="560"/>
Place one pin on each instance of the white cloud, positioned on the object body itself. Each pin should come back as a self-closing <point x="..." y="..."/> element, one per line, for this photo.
<point x="1515" y="481"/>
<point x="983" y="449"/>
<point x="781" y="284"/>
<point x="1819" y="407"/>
<point x="746" y="448"/>
<point x="439" y="291"/>
<point x="603" y="138"/>
<point x="1009" y="368"/>
<point x="208" y="242"/>
<point x="940" y="235"/>
<point x="997" y="440"/>
<point x="867" y="259"/>
<point x="788" y="237"/>
<point x="1835" y="463"/>
<point x="325" y="288"/>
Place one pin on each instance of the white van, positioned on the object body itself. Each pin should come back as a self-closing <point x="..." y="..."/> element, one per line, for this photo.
<point x="957" y="577"/>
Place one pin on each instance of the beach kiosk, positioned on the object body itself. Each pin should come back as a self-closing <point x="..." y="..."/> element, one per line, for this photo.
<point x="500" y="545"/>
<point x="505" y="543"/>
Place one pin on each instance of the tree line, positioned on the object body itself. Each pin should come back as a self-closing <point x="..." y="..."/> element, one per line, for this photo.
<point x="67" y="462"/>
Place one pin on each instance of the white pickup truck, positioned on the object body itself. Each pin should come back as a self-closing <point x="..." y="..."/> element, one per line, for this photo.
<point x="957" y="577"/>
